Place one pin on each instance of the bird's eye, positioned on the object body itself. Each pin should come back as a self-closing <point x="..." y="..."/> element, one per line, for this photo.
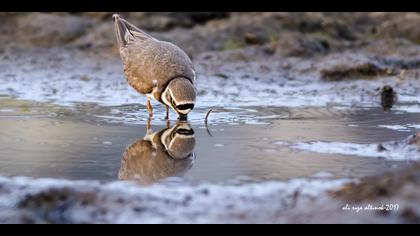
<point x="173" y="135"/>
<point x="173" y="103"/>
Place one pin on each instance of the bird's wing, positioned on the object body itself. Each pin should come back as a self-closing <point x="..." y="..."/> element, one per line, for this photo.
<point x="127" y="32"/>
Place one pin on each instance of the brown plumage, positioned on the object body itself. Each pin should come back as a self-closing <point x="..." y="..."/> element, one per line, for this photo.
<point x="156" y="68"/>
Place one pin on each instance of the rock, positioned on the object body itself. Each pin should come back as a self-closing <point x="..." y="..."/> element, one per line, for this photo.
<point x="364" y="70"/>
<point x="381" y="148"/>
<point x="101" y="37"/>
<point x="298" y="45"/>
<point x="43" y="29"/>
<point x="388" y="97"/>
<point x="415" y="140"/>
<point x="48" y="206"/>
<point x="354" y="66"/>
<point x="401" y="26"/>
<point x="251" y="38"/>
<point x="375" y="187"/>
<point x="163" y="21"/>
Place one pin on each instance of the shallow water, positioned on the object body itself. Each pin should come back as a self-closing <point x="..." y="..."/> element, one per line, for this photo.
<point x="241" y="144"/>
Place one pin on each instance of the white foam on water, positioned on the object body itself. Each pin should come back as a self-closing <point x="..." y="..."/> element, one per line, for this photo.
<point x="397" y="151"/>
<point x="395" y="127"/>
<point x="404" y="128"/>
<point x="126" y="202"/>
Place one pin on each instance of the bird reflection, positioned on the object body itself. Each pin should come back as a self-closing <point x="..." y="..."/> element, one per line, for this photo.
<point x="168" y="152"/>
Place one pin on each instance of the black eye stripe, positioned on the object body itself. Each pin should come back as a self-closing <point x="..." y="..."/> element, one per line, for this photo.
<point x="185" y="106"/>
<point x="185" y="131"/>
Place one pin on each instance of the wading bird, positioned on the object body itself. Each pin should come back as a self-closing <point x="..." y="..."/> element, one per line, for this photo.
<point x="158" y="69"/>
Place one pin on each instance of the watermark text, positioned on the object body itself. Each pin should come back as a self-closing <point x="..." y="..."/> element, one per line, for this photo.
<point x="371" y="207"/>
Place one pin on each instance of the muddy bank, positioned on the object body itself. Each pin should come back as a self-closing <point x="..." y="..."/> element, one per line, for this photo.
<point x="25" y="200"/>
<point x="399" y="187"/>
<point x="64" y="76"/>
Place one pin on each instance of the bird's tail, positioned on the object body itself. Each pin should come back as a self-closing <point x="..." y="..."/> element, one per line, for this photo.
<point x="126" y="32"/>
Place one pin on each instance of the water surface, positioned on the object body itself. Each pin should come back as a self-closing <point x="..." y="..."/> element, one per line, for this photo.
<point x="86" y="141"/>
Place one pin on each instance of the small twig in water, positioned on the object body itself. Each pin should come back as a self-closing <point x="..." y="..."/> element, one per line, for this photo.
<point x="206" y="121"/>
<point x="207" y="115"/>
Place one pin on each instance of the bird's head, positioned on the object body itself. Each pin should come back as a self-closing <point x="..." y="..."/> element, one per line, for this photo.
<point x="180" y="95"/>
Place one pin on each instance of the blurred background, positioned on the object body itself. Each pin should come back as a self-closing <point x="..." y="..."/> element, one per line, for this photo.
<point x="286" y="34"/>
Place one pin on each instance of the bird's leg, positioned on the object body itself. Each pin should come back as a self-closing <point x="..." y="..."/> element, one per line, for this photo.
<point x="149" y="119"/>
<point x="168" y="123"/>
<point x="148" y="129"/>
<point x="149" y="108"/>
<point x="167" y="112"/>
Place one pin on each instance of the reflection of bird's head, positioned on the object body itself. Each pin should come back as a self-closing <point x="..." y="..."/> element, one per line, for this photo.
<point x="166" y="153"/>
<point x="179" y="141"/>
